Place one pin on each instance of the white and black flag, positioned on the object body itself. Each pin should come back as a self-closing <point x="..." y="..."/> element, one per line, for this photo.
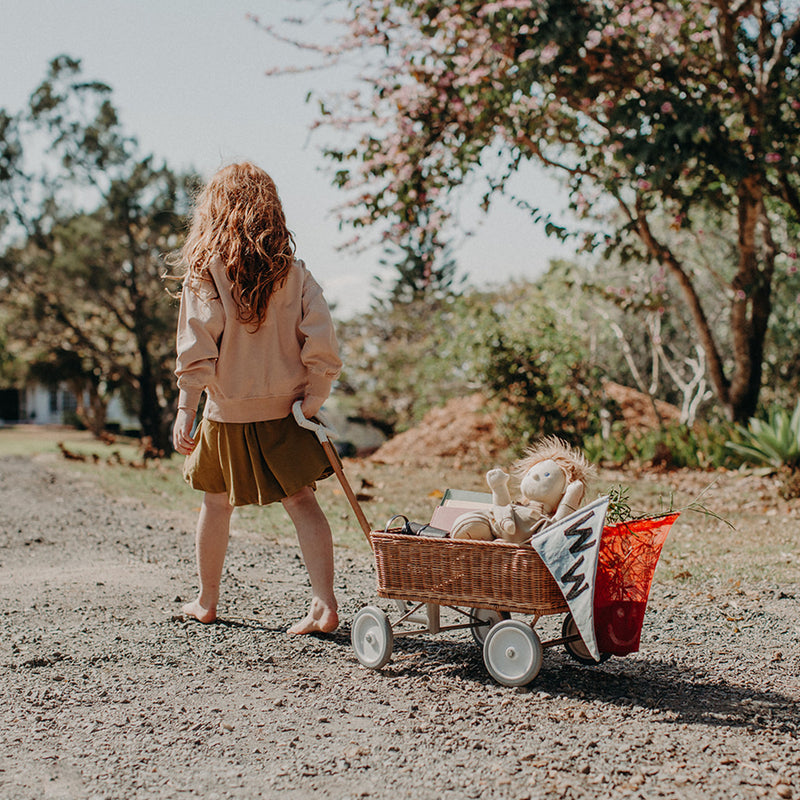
<point x="569" y="549"/>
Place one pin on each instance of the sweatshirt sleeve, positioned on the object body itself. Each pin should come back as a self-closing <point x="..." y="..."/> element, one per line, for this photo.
<point x="319" y="349"/>
<point x="200" y="324"/>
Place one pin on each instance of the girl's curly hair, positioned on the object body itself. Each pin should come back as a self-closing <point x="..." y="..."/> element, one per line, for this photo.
<point x="238" y="216"/>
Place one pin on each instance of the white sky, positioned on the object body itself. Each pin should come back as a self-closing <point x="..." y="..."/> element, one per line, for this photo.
<point x="188" y="79"/>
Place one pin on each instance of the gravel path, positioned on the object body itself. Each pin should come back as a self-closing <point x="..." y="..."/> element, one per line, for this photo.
<point x="108" y="693"/>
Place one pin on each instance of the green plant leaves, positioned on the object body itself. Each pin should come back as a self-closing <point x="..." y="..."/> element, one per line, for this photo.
<point x="774" y="441"/>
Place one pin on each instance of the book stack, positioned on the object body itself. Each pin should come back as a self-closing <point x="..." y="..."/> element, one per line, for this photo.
<point x="454" y="503"/>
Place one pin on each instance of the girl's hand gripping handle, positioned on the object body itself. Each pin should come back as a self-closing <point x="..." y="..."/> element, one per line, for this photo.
<point x="323" y="432"/>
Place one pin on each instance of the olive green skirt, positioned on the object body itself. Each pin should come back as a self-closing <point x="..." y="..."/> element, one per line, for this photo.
<point x="255" y="463"/>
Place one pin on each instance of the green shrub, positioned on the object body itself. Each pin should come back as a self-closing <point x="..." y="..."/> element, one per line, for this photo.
<point x="545" y="383"/>
<point x="774" y="441"/>
<point x="672" y="446"/>
<point x="402" y="360"/>
<point x="508" y="343"/>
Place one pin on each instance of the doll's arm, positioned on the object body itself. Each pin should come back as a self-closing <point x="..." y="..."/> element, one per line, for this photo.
<point x="498" y="483"/>
<point x="502" y="510"/>
<point x="571" y="501"/>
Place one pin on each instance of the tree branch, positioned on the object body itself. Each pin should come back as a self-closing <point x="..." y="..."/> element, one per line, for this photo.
<point x="663" y="255"/>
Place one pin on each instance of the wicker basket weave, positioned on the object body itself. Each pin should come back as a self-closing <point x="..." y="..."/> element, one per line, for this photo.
<point x="459" y="572"/>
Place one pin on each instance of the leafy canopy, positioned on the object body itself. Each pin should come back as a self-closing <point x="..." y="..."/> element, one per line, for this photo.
<point x="648" y="109"/>
<point x="85" y="221"/>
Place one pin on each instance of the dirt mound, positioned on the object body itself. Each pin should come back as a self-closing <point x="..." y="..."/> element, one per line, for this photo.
<point x="463" y="428"/>
<point x="639" y="411"/>
<point x="466" y="428"/>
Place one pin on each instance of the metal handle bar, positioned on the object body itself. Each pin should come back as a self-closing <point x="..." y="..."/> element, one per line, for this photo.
<point x="324" y="432"/>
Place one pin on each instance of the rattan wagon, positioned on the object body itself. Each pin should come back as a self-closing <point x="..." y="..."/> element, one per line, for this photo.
<point x="484" y="583"/>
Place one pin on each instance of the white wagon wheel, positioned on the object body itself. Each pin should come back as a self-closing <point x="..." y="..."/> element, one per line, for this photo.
<point x="485" y="619"/>
<point x="512" y="653"/>
<point x="372" y="638"/>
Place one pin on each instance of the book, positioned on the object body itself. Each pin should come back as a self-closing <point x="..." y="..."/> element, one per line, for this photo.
<point x="465" y="498"/>
<point x="454" y="503"/>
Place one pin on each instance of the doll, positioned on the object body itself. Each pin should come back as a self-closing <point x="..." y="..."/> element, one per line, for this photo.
<point x="552" y="486"/>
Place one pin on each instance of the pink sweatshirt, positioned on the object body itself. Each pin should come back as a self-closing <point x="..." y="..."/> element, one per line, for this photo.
<point x="248" y="375"/>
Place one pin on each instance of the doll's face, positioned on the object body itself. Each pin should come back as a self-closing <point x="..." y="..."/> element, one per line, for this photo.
<point x="544" y="483"/>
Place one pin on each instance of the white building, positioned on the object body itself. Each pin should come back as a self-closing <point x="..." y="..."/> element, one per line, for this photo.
<point x="41" y="405"/>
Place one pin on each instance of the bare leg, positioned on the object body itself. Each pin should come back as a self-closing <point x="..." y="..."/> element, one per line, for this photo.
<point x="213" y="531"/>
<point x="316" y="544"/>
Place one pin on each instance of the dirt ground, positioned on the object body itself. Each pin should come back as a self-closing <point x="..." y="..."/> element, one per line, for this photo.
<point x="107" y="692"/>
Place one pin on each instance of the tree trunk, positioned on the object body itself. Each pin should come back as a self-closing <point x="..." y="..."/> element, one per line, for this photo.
<point x="151" y="414"/>
<point x="93" y="413"/>
<point x="750" y="309"/>
<point x="752" y="305"/>
<point x="662" y="254"/>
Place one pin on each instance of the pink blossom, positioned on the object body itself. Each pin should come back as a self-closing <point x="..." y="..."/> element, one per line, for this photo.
<point x="643" y="184"/>
<point x="740" y="295"/>
<point x="593" y="39"/>
<point x="772" y="158"/>
<point x="549" y="52"/>
<point x="666" y="108"/>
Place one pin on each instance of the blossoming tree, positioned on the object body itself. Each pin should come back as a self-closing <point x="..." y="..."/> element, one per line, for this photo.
<point x="652" y="110"/>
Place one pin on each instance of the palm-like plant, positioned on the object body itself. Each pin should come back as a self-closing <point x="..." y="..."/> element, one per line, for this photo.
<point x="774" y="441"/>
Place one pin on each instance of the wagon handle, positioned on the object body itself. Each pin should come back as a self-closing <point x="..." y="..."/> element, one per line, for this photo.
<point x="323" y="433"/>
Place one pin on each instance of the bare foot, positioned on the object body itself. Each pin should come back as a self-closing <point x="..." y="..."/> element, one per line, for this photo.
<point x="320" y="619"/>
<point x="201" y="614"/>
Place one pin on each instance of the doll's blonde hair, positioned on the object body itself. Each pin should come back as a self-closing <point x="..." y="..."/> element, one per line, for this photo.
<point x="238" y="216"/>
<point x="572" y="461"/>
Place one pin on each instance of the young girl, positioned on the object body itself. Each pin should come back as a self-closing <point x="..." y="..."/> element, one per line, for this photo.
<point x="256" y="335"/>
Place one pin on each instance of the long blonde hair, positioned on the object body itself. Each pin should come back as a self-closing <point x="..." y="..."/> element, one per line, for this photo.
<point x="238" y="216"/>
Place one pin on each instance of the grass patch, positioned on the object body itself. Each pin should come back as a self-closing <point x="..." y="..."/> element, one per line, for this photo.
<point x="761" y="546"/>
<point x="117" y="467"/>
